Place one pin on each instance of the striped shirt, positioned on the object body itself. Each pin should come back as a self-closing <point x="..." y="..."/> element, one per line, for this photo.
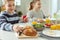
<point x="7" y="20"/>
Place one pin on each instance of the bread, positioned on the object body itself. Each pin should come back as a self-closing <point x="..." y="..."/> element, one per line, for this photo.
<point x="39" y="20"/>
<point x="29" y="31"/>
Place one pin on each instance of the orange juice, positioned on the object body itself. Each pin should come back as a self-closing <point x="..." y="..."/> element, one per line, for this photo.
<point x="53" y="27"/>
<point x="58" y="27"/>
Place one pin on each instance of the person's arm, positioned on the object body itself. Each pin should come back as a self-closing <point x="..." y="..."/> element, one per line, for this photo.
<point x="44" y="16"/>
<point x="4" y="25"/>
<point x="29" y="14"/>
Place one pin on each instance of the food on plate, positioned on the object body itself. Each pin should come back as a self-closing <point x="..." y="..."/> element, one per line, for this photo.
<point x="48" y="24"/>
<point x="29" y="31"/>
<point x="38" y="27"/>
<point x="39" y="20"/>
<point x="34" y="22"/>
<point x="55" y="27"/>
<point x="51" y="32"/>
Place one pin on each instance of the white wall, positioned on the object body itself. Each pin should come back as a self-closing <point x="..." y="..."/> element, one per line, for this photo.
<point x="58" y="4"/>
<point x="24" y="6"/>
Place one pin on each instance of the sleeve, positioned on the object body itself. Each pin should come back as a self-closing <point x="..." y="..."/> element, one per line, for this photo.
<point x="29" y="14"/>
<point x="4" y="25"/>
<point x="44" y="16"/>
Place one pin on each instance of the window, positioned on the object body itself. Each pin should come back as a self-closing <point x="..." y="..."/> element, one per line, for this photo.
<point x="18" y="2"/>
<point x="0" y="2"/>
<point x="3" y="2"/>
<point x="54" y="6"/>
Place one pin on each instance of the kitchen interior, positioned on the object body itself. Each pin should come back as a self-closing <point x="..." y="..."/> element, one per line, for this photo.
<point x="51" y="8"/>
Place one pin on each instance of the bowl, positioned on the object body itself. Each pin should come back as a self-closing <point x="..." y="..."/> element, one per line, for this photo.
<point x="38" y="28"/>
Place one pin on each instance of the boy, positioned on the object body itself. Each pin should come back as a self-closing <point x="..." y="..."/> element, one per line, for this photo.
<point x="9" y="17"/>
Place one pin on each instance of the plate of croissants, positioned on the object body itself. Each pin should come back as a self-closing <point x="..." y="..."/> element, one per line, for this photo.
<point x="28" y="32"/>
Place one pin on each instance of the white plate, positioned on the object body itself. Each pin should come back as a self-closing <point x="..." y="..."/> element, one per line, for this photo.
<point x="51" y="33"/>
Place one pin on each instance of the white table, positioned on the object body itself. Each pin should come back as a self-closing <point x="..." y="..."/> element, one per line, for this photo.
<point x="5" y="35"/>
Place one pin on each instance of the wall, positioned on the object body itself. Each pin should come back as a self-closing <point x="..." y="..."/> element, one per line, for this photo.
<point x="58" y="4"/>
<point x="24" y="6"/>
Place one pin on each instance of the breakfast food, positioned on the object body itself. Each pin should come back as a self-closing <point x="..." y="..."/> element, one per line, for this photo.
<point x="55" y="27"/>
<point x="39" y="20"/>
<point x="29" y="31"/>
<point x="38" y="26"/>
<point x="34" y="22"/>
<point x="48" y="25"/>
<point x="51" y="32"/>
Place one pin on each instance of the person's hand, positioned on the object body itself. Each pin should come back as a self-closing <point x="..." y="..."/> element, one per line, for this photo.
<point x="25" y="20"/>
<point x="16" y="28"/>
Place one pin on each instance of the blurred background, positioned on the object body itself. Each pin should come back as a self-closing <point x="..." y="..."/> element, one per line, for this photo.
<point x="48" y="6"/>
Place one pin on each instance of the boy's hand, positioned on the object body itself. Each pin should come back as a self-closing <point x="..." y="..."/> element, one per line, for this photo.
<point x="16" y="28"/>
<point x="25" y="20"/>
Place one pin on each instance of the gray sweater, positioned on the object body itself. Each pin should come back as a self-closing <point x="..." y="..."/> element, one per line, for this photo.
<point x="34" y="14"/>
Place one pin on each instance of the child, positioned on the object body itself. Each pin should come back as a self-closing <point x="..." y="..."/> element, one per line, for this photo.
<point x="9" y="18"/>
<point x="35" y="10"/>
